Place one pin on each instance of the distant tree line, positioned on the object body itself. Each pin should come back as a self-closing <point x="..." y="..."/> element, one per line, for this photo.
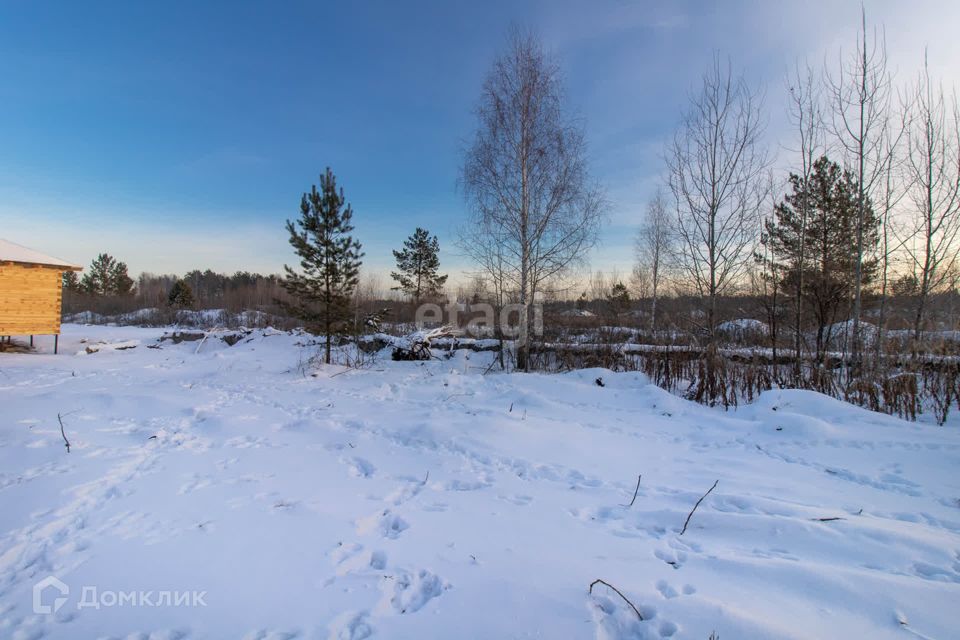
<point x="107" y="289"/>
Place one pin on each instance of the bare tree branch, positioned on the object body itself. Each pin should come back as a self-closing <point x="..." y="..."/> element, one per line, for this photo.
<point x="63" y="433"/>
<point x="690" y="515"/>
<point x="635" y="491"/>
<point x="933" y="166"/>
<point x="625" y="599"/>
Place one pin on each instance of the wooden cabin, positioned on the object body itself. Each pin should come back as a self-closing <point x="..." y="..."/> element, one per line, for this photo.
<point x="31" y="291"/>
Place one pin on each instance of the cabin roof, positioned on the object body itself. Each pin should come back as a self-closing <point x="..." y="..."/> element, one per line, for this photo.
<point x="12" y="252"/>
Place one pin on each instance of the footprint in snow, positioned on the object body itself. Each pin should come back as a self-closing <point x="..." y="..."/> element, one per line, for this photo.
<point x="343" y="552"/>
<point x="246" y="442"/>
<point x="933" y="572"/>
<point x="666" y="590"/>
<point x="667" y="629"/>
<point x="386" y="523"/>
<point x="193" y="483"/>
<point x="404" y="492"/>
<point x="225" y="463"/>
<point x="614" y="618"/>
<point x="673" y="558"/>
<point x="405" y="592"/>
<point x="465" y="485"/>
<point x="669" y="592"/>
<point x="352" y="558"/>
<point x="359" y="467"/>
<point x="351" y="625"/>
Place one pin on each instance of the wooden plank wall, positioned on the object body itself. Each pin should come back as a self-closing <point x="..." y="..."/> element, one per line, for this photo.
<point x="30" y="298"/>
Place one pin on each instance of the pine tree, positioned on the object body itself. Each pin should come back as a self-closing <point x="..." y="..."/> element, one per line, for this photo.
<point x="71" y="281"/>
<point x="418" y="265"/>
<point x="329" y="257"/>
<point x="618" y="300"/>
<point x="582" y="302"/>
<point x="106" y="277"/>
<point x="829" y="245"/>
<point x="120" y="281"/>
<point x="181" y="295"/>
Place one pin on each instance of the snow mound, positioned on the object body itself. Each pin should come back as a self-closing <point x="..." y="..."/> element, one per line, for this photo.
<point x="743" y="327"/>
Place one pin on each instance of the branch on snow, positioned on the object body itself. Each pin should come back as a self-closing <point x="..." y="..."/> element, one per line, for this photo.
<point x="625" y="599"/>
<point x="690" y="515"/>
<point x="63" y="433"/>
<point x="635" y="492"/>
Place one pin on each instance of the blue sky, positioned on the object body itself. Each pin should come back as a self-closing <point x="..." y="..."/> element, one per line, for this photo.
<point x="178" y="134"/>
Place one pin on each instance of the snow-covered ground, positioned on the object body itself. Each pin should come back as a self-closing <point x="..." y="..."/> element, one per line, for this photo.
<point x="222" y="492"/>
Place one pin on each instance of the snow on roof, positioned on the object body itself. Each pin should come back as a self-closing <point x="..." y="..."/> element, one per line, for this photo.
<point x="12" y="252"/>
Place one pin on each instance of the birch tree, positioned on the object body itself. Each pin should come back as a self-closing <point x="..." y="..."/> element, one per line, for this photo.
<point x="859" y="96"/>
<point x="894" y="186"/>
<point x="525" y="176"/>
<point x="717" y="174"/>
<point x="653" y="245"/>
<point x="933" y="163"/>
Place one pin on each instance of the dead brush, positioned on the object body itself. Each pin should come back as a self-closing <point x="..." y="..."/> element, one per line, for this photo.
<point x="667" y="369"/>
<point x="865" y="392"/>
<point x="822" y="379"/>
<point x="901" y="395"/>
<point x="712" y="383"/>
<point x="941" y="388"/>
<point x="753" y="378"/>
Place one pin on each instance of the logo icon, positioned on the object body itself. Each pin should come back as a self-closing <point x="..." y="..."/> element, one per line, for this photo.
<point x="50" y="582"/>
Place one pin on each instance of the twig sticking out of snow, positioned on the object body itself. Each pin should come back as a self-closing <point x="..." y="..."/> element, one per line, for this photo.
<point x="63" y="433"/>
<point x="635" y="492"/>
<point x="830" y="519"/>
<point x="690" y="515"/>
<point x="902" y="619"/>
<point x="625" y="599"/>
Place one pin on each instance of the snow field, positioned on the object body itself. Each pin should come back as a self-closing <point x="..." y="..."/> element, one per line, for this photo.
<point x="415" y="500"/>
